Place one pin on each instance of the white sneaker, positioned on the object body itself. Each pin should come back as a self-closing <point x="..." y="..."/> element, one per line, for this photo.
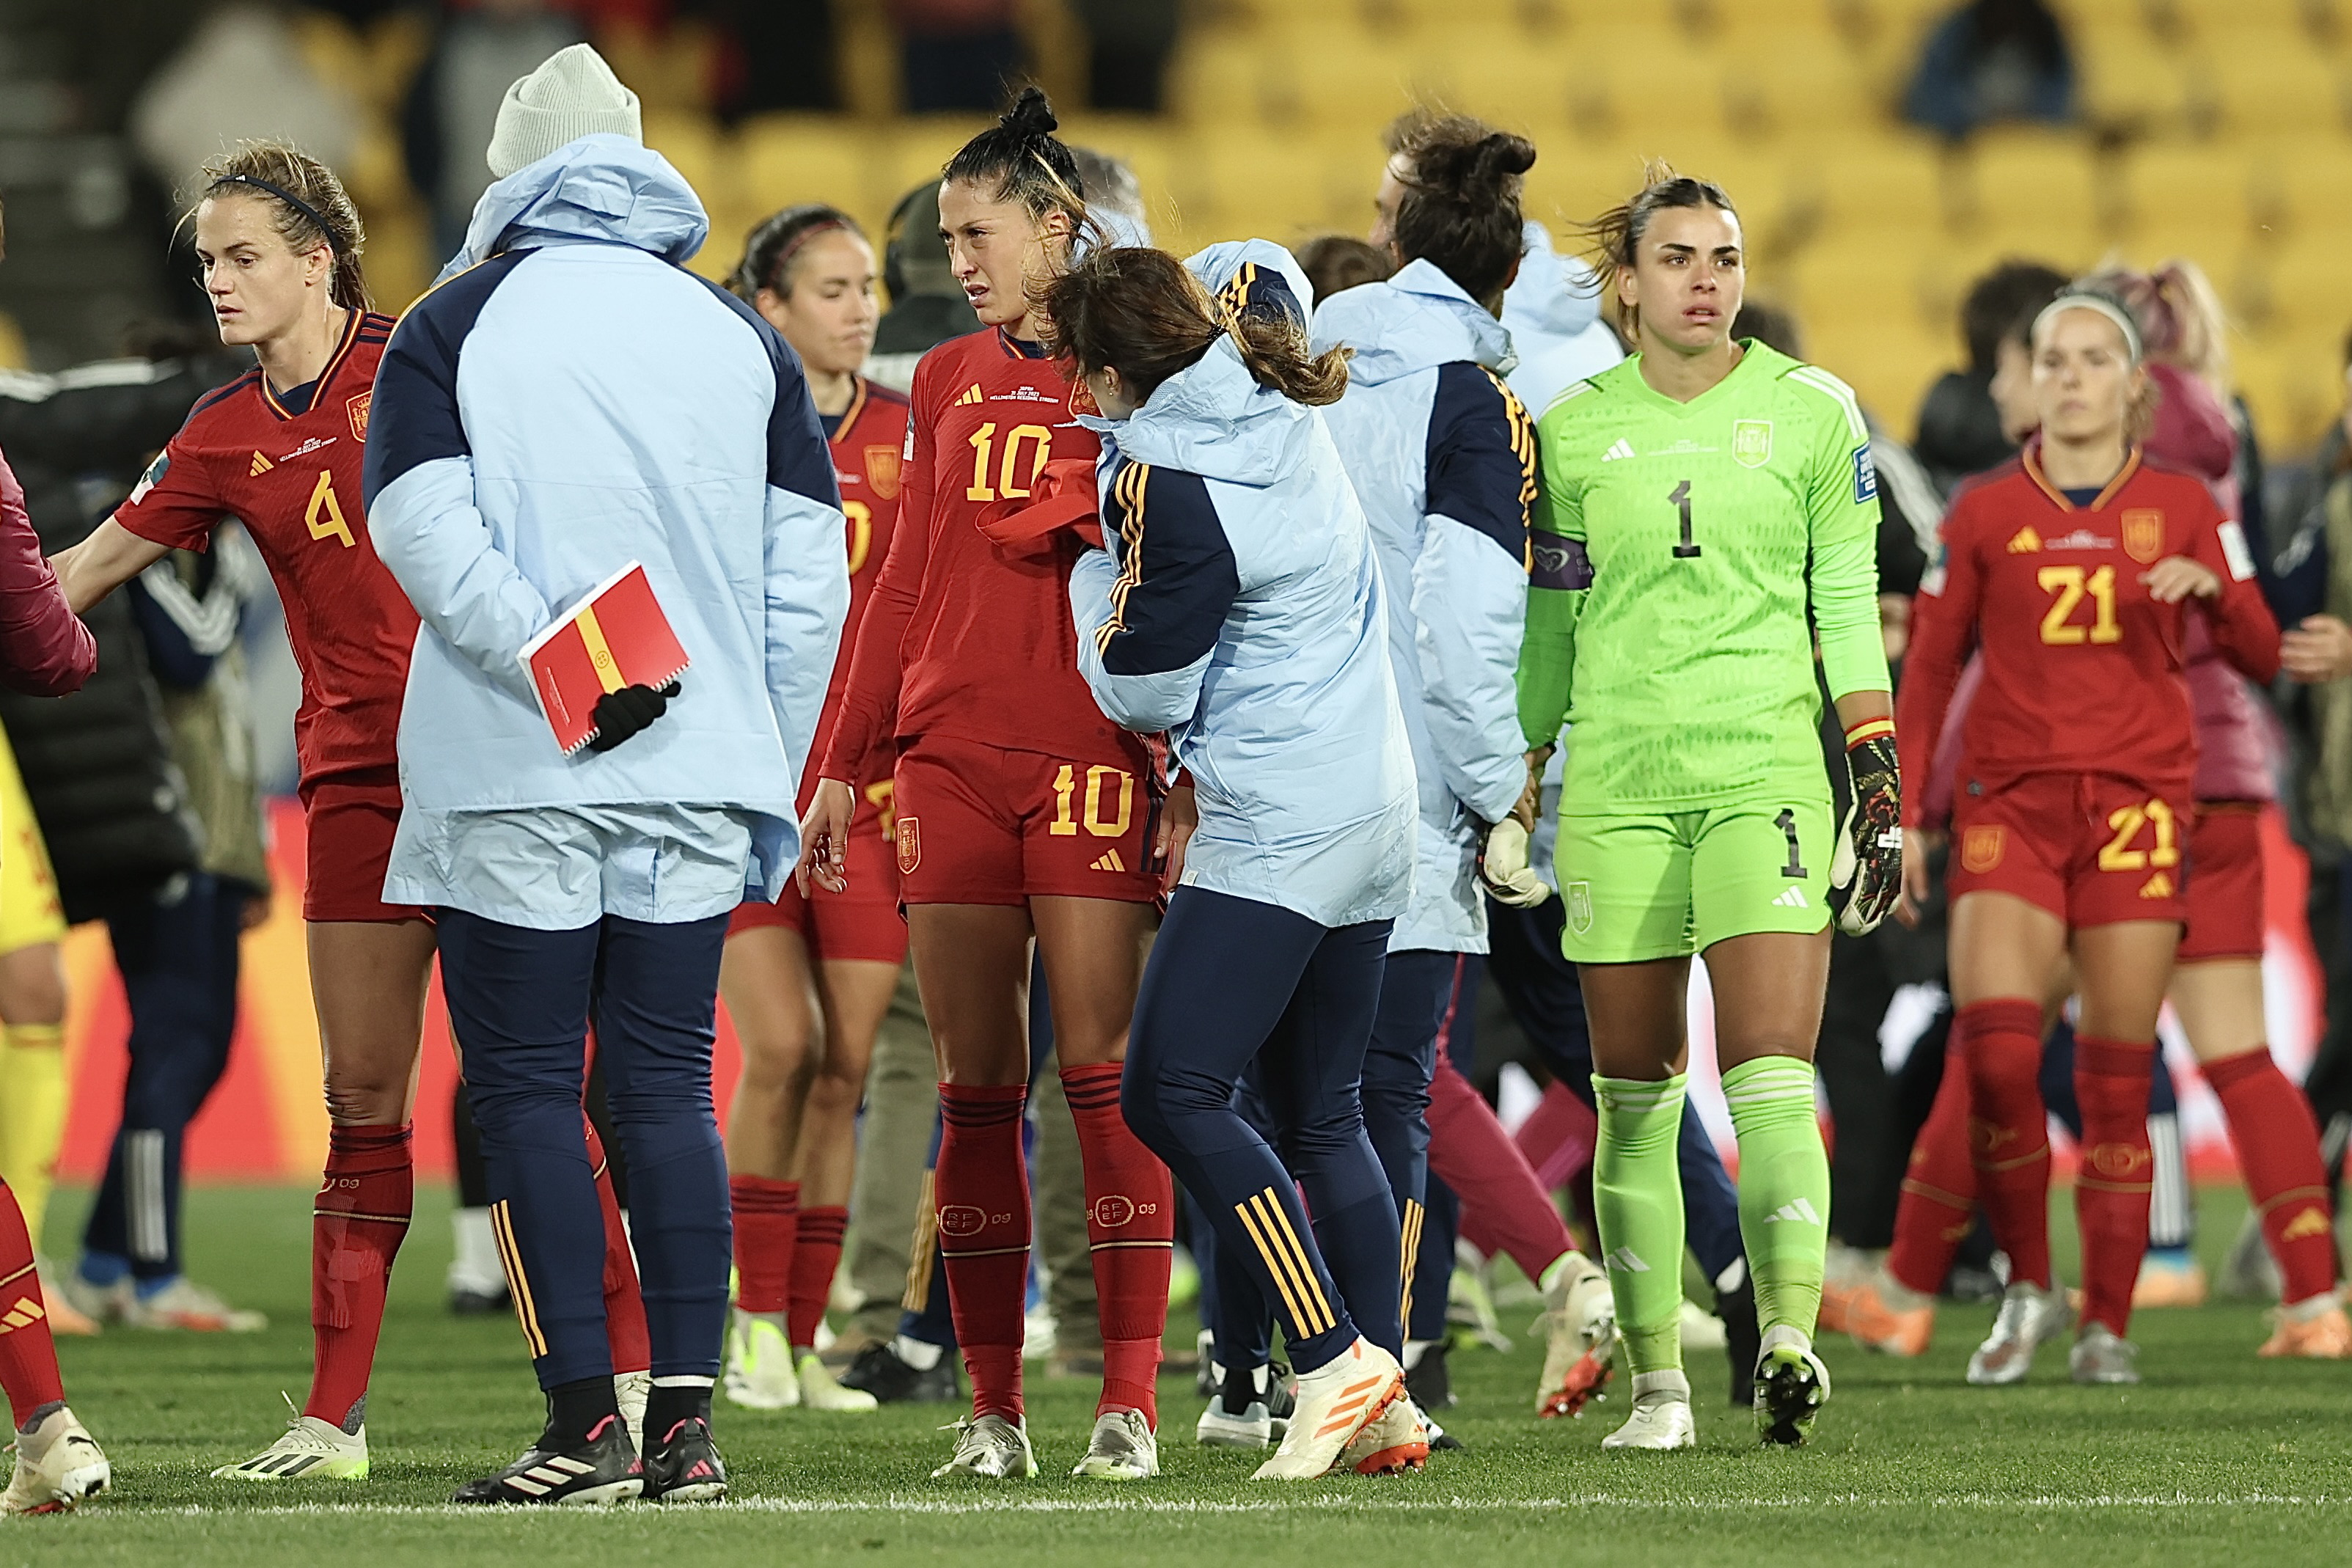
<point x="1662" y="1414"/>
<point x="1251" y="1428"/>
<point x="991" y="1448"/>
<point x="187" y="1306"/>
<point x="312" y="1450"/>
<point x="2030" y="1318"/>
<point x="1335" y="1402"/>
<point x="820" y="1392"/>
<point x="759" y="1371"/>
<point x="1580" y="1330"/>
<point x="2101" y="1355"/>
<point x="1122" y="1448"/>
<point x="58" y="1464"/>
<point x="630" y="1392"/>
<point x="1397" y="1440"/>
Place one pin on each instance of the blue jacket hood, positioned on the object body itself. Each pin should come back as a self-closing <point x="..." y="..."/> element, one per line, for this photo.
<point x="602" y="189"/>
<point x="1417" y="320"/>
<point x="1213" y="418"/>
<point x="1554" y="297"/>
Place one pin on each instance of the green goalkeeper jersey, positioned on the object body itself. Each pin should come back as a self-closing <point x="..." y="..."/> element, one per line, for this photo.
<point x="1677" y="548"/>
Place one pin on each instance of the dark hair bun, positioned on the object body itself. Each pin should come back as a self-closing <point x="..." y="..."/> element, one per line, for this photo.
<point x="1032" y="115"/>
<point x="1502" y="155"/>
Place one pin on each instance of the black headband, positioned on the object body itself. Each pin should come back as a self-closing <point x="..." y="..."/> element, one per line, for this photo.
<point x="290" y="198"/>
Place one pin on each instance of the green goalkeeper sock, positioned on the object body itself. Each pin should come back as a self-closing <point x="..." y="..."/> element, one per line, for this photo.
<point x="1784" y="1187"/>
<point x="1637" y="1198"/>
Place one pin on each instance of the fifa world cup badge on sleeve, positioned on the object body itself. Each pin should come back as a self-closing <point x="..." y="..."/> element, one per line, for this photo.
<point x="1865" y="475"/>
<point x="1579" y="898"/>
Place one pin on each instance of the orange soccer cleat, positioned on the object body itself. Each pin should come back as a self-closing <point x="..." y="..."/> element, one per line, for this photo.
<point x="2316" y="1329"/>
<point x="2167" y="1281"/>
<point x="1885" y="1316"/>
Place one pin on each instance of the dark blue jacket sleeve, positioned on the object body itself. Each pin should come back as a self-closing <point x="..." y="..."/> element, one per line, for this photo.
<point x="1481" y="460"/>
<point x="1177" y="576"/>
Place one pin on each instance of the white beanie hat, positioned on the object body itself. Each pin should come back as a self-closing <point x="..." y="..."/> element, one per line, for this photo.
<point x="573" y="93"/>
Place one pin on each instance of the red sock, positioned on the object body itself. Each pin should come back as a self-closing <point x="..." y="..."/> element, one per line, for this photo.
<point x="815" y="1255"/>
<point x="1505" y="1208"/>
<point x="1558" y="1140"/>
<point x="767" y="1231"/>
<point x="983" y="1193"/>
<point x="28" y="1357"/>
<point x="357" y="1224"/>
<point x="2277" y="1141"/>
<point x="1939" y="1189"/>
<point x="2009" y="1128"/>
<point x="2119" y="1174"/>
<point x="626" y="1334"/>
<point x="1130" y="1230"/>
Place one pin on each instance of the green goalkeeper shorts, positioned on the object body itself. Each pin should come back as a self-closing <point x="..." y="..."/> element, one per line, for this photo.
<point x="1642" y="888"/>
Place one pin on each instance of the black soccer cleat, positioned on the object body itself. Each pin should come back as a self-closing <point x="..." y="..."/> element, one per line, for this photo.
<point x="603" y="1470"/>
<point x="682" y="1465"/>
<point x="878" y="1371"/>
<point x="1430" y="1385"/>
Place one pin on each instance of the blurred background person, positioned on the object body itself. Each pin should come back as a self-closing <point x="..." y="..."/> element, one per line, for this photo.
<point x="1991" y="61"/>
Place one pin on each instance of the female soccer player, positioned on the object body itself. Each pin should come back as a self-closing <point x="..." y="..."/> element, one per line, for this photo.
<point x="791" y="1136"/>
<point x="279" y="447"/>
<point x="1241" y="610"/>
<point x="1022" y="812"/>
<point x="2073" y="568"/>
<point x="1701" y="502"/>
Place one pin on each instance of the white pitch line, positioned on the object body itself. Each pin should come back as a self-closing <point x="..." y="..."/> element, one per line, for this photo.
<point x="1584" y="1500"/>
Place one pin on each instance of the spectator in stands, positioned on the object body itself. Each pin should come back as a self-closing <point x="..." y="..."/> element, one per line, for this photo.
<point x="478" y="49"/>
<point x="774" y="55"/>
<point x="1127" y="45"/>
<point x="1336" y="261"/>
<point x="1959" y="428"/>
<point x="957" y="54"/>
<point x="1993" y="60"/>
<point x="927" y="304"/>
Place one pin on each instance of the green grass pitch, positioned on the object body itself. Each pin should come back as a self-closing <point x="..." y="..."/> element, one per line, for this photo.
<point x="2217" y="1458"/>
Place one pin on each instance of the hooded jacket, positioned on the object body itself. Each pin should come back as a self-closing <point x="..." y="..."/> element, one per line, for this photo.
<point x="1442" y="457"/>
<point x="1552" y="312"/>
<point x="1240" y="609"/>
<point x="567" y="400"/>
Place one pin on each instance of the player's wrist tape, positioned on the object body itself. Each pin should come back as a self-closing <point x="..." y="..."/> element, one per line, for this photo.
<point x="1867" y="730"/>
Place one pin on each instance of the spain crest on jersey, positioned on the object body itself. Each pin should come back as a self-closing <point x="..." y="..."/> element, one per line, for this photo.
<point x="1751" y="441"/>
<point x="1577" y="897"/>
<point x="882" y="464"/>
<point x="2143" y="534"/>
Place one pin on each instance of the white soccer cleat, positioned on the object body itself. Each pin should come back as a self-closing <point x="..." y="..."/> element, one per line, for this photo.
<point x="630" y="1392"/>
<point x="189" y="1308"/>
<point x="2101" y="1355"/>
<point x="1397" y="1441"/>
<point x="1122" y="1448"/>
<point x="310" y="1450"/>
<point x="759" y="1371"/>
<point x="820" y="1392"/>
<point x="1335" y="1402"/>
<point x="991" y="1448"/>
<point x="57" y="1465"/>
<point x="2030" y="1318"/>
<point x="1580" y="1329"/>
<point x="1661" y="1417"/>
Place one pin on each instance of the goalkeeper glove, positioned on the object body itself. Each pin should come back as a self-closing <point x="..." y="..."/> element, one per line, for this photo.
<point x="1866" y="871"/>
<point x="1503" y="856"/>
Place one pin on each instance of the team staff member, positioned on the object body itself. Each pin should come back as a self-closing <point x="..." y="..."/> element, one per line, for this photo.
<point x="567" y="401"/>
<point x="2073" y="568"/>
<point x="791" y="1134"/>
<point x="280" y="448"/>
<point x="1240" y="608"/>
<point x="1708" y="503"/>
<point x="968" y="645"/>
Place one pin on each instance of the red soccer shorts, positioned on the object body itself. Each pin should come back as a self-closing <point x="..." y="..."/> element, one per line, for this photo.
<point x="981" y="825"/>
<point x="863" y="922"/>
<point x="2225" y="918"/>
<point x="349" y="820"/>
<point x="2090" y="849"/>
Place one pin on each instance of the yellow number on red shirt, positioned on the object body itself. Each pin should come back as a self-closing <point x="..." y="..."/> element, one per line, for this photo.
<point x="324" y="515"/>
<point x="861" y="533"/>
<point x="1066" y="786"/>
<point x="2070" y="584"/>
<point x="1010" y="482"/>
<point x="2128" y="820"/>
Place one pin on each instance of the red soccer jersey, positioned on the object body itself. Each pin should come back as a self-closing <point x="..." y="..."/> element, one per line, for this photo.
<point x="292" y="476"/>
<point x="960" y="639"/>
<point x="868" y="448"/>
<point x="2083" y="670"/>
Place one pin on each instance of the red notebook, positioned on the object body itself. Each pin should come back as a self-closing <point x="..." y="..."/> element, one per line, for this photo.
<point x="614" y="637"/>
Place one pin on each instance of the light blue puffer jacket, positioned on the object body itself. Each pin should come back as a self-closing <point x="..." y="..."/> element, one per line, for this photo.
<point x="567" y="400"/>
<point x="1442" y="457"/>
<point x="1552" y="311"/>
<point x="1241" y="609"/>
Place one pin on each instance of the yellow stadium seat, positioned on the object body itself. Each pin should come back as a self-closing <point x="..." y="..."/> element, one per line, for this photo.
<point x="690" y="141"/>
<point x="2305" y="181"/>
<point x="786" y="159"/>
<point x="1860" y="184"/>
<point x="2130" y="78"/>
<point x="2013" y="179"/>
<point x="2269" y="80"/>
<point x="2213" y="187"/>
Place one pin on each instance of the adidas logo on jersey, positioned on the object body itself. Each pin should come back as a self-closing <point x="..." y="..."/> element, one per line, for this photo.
<point x="1623" y="448"/>
<point x="261" y="466"/>
<point x="1111" y="861"/>
<point x="1798" y="1212"/>
<point x="2158" y="887"/>
<point x="1794" y="899"/>
<point x="972" y="395"/>
<point x="1625" y="1261"/>
<point x="2024" y="542"/>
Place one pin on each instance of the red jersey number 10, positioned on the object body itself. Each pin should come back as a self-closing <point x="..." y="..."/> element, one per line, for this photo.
<point x="1100" y="780"/>
<point x="1010" y="485"/>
